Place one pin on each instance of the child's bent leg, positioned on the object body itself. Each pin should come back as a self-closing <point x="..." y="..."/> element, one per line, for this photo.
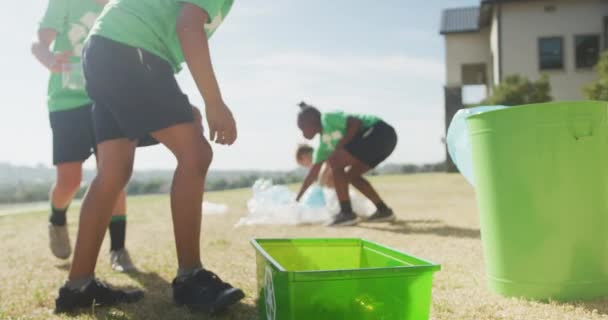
<point x="118" y="225"/>
<point x="115" y="167"/>
<point x="194" y="155"/>
<point x="339" y="161"/>
<point x="120" y="208"/>
<point x="363" y="185"/>
<point x="355" y="177"/>
<point x="67" y="184"/>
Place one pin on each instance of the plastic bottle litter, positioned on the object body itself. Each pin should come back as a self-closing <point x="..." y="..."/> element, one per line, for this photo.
<point x="210" y="208"/>
<point x="276" y="205"/>
<point x="459" y="143"/>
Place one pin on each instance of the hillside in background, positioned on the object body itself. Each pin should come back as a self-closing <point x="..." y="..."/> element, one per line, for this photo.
<point x="21" y="184"/>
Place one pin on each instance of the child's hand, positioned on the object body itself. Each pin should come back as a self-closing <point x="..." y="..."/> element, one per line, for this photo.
<point x="222" y="127"/>
<point x="57" y="62"/>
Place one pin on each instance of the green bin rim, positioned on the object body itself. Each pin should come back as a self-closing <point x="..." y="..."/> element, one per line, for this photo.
<point x="582" y="103"/>
<point x="426" y="265"/>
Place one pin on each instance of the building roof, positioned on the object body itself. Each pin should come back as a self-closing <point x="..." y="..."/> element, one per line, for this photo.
<point x="469" y="19"/>
<point x="460" y="20"/>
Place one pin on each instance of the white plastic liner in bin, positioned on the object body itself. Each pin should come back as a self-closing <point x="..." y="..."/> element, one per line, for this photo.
<point x="459" y="142"/>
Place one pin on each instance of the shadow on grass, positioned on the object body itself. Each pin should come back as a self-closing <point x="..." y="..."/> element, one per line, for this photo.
<point x="158" y="304"/>
<point x="150" y="281"/>
<point x="65" y="266"/>
<point x="599" y="307"/>
<point x="435" y="227"/>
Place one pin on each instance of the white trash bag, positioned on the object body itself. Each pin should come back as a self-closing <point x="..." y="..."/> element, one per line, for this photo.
<point x="459" y="143"/>
<point x="276" y="205"/>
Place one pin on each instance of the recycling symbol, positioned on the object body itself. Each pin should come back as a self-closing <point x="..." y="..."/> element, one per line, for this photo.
<point x="271" y="307"/>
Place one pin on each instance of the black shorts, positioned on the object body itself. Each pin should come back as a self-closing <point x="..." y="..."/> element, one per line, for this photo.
<point x="374" y="144"/>
<point x="134" y="92"/>
<point x="73" y="135"/>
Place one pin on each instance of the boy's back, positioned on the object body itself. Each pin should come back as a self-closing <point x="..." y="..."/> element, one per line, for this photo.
<point x="151" y="24"/>
<point x="72" y="20"/>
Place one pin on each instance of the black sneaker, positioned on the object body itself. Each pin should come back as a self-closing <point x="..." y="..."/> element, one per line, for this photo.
<point x="205" y="292"/>
<point x="95" y="293"/>
<point x="344" y="219"/>
<point x="385" y="215"/>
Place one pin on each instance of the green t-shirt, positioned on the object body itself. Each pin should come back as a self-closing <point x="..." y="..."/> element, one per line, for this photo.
<point x="334" y="129"/>
<point x="72" y="19"/>
<point x="150" y="24"/>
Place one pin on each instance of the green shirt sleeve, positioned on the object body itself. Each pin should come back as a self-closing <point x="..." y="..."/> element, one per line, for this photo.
<point x="55" y="16"/>
<point x="216" y="10"/>
<point x="212" y="7"/>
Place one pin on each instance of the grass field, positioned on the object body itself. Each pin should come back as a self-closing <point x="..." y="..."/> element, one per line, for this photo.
<point x="437" y="220"/>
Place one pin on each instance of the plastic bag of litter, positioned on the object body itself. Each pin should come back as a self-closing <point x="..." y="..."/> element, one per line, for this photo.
<point x="210" y="208"/>
<point x="276" y="205"/>
<point x="459" y="142"/>
<point x="361" y="205"/>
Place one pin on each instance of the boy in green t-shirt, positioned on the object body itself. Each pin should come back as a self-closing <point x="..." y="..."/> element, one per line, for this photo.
<point x="61" y="36"/>
<point x="352" y="145"/>
<point x="129" y="61"/>
<point x="304" y="157"/>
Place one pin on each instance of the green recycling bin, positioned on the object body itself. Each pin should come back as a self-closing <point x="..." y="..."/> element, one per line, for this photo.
<point x="333" y="279"/>
<point x="541" y="174"/>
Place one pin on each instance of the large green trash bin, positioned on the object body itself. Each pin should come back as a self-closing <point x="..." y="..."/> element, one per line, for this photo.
<point x="335" y="279"/>
<point x="541" y="176"/>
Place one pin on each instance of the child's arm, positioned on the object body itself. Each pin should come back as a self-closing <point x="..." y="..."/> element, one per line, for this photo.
<point x="40" y="50"/>
<point x="193" y="39"/>
<point x="102" y="2"/>
<point x="312" y="176"/>
<point x="353" y="125"/>
<point x="326" y="177"/>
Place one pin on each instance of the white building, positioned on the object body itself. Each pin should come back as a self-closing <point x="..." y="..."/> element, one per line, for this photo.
<point x="560" y="38"/>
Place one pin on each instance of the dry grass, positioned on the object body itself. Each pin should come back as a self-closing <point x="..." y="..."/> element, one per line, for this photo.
<point x="437" y="221"/>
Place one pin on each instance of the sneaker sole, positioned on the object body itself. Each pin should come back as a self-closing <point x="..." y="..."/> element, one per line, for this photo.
<point x="383" y="219"/>
<point x="227" y="299"/>
<point x="348" y="223"/>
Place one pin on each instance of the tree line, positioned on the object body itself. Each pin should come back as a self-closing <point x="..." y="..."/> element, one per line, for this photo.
<point x="25" y="192"/>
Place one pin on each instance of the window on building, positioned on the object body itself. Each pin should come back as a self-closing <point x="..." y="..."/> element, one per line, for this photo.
<point x="587" y="50"/>
<point x="551" y="53"/>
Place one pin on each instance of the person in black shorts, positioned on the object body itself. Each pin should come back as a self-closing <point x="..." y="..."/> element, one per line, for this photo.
<point x="61" y="35"/>
<point x="352" y="145"/>
<point x="130" y="61"/>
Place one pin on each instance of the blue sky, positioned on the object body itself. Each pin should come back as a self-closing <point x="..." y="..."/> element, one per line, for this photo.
<point x="382" y="57"/>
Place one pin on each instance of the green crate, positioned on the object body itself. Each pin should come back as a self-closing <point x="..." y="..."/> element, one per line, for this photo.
<point x="333" y="279"/>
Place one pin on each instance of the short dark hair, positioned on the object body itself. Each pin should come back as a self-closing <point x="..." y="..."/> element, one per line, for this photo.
<point x="302" y="150"/>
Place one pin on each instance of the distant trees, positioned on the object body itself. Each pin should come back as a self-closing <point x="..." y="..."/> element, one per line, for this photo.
<point x="425" y="168"/>
<point x="36" y="192"/>
<point x="31" y="191"/>
<point x="598" y="90"/>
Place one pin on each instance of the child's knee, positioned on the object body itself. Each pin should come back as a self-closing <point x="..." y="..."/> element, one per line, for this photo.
<point x="335" y="162"/>
<point x="199" y="159"/>
<point x="115" y="178"/>
<point x="69" y="182"/>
